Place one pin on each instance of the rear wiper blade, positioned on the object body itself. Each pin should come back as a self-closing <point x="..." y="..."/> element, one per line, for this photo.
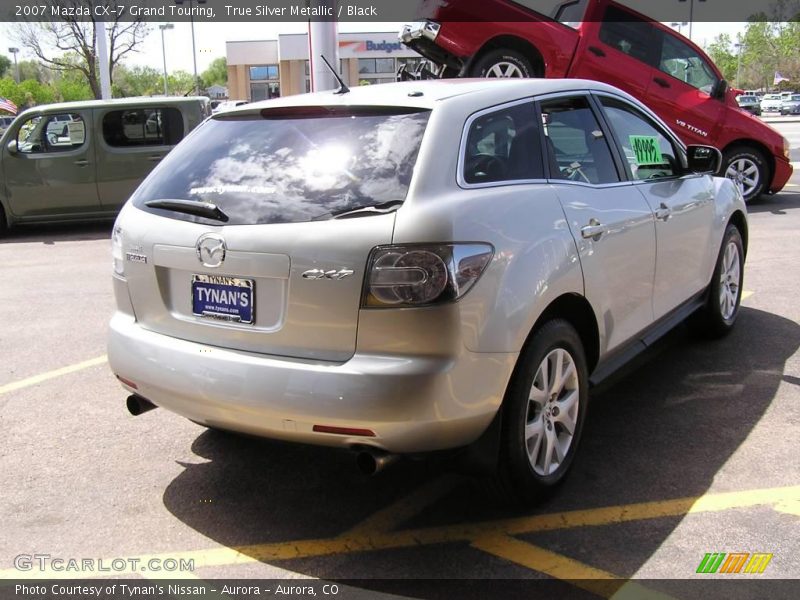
<point x="190" y="207"/>
<point x="360" y="211"/>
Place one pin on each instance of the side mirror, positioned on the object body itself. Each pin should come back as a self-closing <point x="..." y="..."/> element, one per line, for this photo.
<point x="720" y="89"/>
<point x="13" y="148"/>
<point x="703" y="159"/>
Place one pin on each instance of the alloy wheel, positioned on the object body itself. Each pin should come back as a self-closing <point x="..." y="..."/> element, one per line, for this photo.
<point x="552" y="414"/>
<point x="745" y="174"/>
<point x="505" y="69"/>
<point x="729" y="281"/>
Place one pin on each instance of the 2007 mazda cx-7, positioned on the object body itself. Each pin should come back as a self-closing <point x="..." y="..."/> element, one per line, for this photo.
<point x="421" y="266"/>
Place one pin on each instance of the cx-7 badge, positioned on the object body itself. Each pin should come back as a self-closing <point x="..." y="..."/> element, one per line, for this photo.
<point x="320" y="274"/>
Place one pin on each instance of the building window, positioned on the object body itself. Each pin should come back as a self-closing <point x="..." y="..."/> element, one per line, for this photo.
<point x="411" y="63"/>
<point x="264" y="91"/>
<point x="376" y="70"/>
<point x="374" y="66"/>
<point x="264" y="82"/>
<point x="264" y="73"/>
<point x="143" y="127"/>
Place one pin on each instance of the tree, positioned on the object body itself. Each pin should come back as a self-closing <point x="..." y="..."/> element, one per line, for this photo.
<point x="78" y="36"/>
<point x="26" y="94"/>
<point x="138" y="81"/>
<point x="216" y="73"/>
<point x="180" y="83"/>
<point x="5" y="65"/>
<point x="32" y="69"/>
<point x="720" y="52"/>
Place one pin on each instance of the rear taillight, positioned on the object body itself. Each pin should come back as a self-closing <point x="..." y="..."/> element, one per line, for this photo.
<point x="117" y="254"/>
<point x="420" y="275"/>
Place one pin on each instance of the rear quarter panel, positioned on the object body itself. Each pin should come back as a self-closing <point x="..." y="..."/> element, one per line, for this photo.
<point x="535" y="259"/>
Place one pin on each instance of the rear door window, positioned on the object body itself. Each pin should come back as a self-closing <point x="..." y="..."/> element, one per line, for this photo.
<point x="576" y="145"/>
<point x="629" y="34"/>
<point x="503" y="145"/>
<point x="133" y="127"/>
<point x="291" y="164"/>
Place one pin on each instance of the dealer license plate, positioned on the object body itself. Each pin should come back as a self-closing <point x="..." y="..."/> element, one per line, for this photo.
<point x="224" y="298"/>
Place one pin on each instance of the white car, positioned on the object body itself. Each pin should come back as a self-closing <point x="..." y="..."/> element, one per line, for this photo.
<point x="771" y="103"/>
<point x="421" y="266"/>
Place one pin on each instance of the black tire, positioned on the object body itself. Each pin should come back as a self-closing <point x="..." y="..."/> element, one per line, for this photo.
<point x="746" y="156"/>
<point x="503" y="60"/>
<point x="714" y="320"/>
<point x="3" y="222"/>
<point x="517" y="477"/>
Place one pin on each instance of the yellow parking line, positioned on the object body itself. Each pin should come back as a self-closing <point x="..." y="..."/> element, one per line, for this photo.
<point x="746" y="294"/>
<point x="790" y="507"/>
<point x="550" y="563"/>
<point x="36" y="379"/>
<point x="535" y="558"/>
<point x="463" y="533"/>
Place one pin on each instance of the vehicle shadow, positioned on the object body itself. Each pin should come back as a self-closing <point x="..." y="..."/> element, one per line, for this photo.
<point x="776" y="204"/>
<point x="56" y="233"/>
<point x="663" y="430"/>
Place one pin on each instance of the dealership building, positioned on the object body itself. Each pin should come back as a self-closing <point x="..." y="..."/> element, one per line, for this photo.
<point x="258" y="70"/>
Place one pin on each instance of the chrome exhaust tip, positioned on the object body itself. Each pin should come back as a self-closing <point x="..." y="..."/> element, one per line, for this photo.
<point x="138" y="405"/>
<point x="372" y="462"/>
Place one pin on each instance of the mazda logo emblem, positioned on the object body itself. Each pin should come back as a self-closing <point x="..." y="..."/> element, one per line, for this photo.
<point x="211" y="250"/>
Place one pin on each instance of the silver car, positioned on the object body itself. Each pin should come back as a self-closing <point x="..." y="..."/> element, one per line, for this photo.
<point x="415" y="267"/>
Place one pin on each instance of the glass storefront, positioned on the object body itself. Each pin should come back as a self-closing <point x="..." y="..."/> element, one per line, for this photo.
<point x="264" y="82"/>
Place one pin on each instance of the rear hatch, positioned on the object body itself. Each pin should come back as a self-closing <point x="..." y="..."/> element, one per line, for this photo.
<point x="256" y="229"/>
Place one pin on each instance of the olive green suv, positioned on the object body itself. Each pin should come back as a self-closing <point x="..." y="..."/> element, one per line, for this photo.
<point x="82" y="160"/>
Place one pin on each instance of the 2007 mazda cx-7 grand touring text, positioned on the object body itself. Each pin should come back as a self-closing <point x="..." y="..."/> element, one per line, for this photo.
<point x="419" y="266"/>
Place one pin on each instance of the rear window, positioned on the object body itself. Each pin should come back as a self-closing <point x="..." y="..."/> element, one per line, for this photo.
<point x="161" y="126"/>
<point x="291" y="164"/>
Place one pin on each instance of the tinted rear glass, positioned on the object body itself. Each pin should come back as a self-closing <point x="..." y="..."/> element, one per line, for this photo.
<point x="291" y="165"/>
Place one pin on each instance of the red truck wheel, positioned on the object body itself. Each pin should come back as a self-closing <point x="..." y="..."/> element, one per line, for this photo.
<point x="502" y="63"/>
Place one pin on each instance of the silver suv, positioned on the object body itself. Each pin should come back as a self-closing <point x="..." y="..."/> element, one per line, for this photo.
<point x="423" y="266"/>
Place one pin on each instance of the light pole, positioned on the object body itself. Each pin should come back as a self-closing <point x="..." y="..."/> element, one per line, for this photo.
<point x="739" y="47"/>
<point x="164" y="53"/>
<point x="15" y="51"/>
<point x="691" y="14"/>
<point x="194" y="51"/>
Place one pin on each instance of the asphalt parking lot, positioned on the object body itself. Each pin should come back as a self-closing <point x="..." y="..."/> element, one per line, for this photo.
<point x="693" y="451"/>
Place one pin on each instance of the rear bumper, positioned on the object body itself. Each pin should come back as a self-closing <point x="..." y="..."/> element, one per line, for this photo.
<point x="783" y="172"/>
<point x="411" y="403"/>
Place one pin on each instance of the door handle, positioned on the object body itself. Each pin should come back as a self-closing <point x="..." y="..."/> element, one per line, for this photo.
<point x="593" y="230"/>
<point x="662" y="82"/>
<point x="596" y="51"/>
<point x="155" y="157"/>
<point x="663" y="213"/>
<point x="82" y="163"/>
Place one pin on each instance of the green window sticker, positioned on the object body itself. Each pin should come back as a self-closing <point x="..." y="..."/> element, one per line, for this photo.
<point x="646" y="149"/>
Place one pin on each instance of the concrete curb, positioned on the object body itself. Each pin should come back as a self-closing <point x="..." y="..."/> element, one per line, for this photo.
<point x="792" y="119"/>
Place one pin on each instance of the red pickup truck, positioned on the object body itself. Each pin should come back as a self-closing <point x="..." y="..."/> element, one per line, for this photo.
<point x="606" y="41"/>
